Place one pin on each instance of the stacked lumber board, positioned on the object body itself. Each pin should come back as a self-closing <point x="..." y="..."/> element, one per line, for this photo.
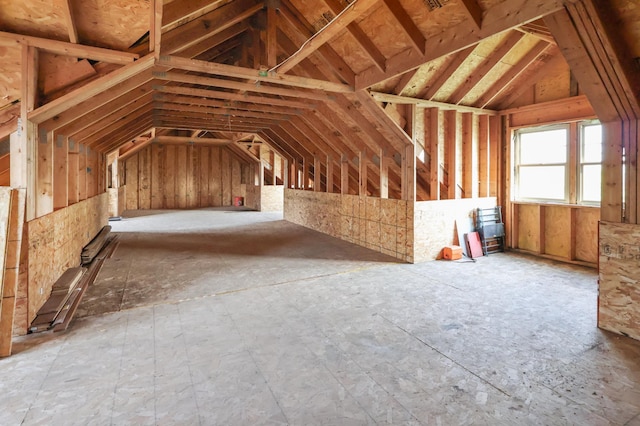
<point x="67" y="292"/>
<point x="91" y="250"/>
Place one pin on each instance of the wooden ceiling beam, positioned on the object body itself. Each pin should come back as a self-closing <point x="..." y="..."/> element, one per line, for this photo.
<point x="180" y="12"/>
<point x="299" y="25"/>
<point x="277" y="143"/>
<point x="238" y="85"/>
<point x="181" y="140"/>
<point x="88" y="91"/>
<point x="101" y="104"/>
<point x="498" y="18"/>
<point x="67" y="10"/>
<point x="163" y="123"/>
<point x="474" y="11"/>
<point x="409" y="27"/>
<point x="219" y="40"/>
<point x="294" y="144"/>
<point x="271" y="40"/>
<point x="443" y="75"/>
<point x="220" y="111"/>
<point x="231" y="105"/>
<point x="252" y="74"/>
<point x="541" y="68"/>
<point x="129" y="133"/>
<point x="405" y="100"/>
<point x="352" y="12"/>
<point x="216" y="94"/>
<point x="155" y="27"/>
<point x="64" y="48"/>
<point x="222" y="122"/>
<point x="209" y="25"/>
<point x="507" y="79"/>
<point x="129" y="102"/>
<point x="360" y="37"/>
<point x="127" y="150"/>
<point x="112" y="124"/>
<point x="485" y="67"/>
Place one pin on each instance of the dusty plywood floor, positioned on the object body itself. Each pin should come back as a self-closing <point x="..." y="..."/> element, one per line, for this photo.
<point x="213" y="317"/>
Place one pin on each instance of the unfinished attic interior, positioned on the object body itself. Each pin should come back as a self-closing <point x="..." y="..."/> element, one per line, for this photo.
<point x="377" y="128"/>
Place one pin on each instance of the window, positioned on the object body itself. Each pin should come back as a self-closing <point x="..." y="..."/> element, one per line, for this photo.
<point x="590" y="163"/>
<point x="558" y="164"/>
<point x="541" y="164"/>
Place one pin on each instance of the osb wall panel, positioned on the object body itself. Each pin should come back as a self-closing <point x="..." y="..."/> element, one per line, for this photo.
<point x="557" y="231"/>
<point x="569" y="232"/>
<point x="619" y="288"/>
<point x="55" y="242"/>
<point x="587" y="234"/>
<point x="435" y="223"/>
<point x="383" y="225"/>
<point x="272" y="198"/>
<point x="528" y="218"/>
<point x="184" y="176"/>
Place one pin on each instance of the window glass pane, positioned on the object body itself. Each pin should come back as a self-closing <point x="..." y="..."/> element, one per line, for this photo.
<point x="592" y="144"/>
<point x="591" y="176"/>
<point x="545" y="147"/>
<point x="546" y="182"/>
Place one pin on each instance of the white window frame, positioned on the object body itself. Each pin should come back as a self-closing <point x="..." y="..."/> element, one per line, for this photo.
<point x="517" y="166"/>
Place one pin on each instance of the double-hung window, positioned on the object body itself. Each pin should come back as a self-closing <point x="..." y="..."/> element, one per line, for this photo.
<point x="558" y="164"/>
<point x="541" y="164"/>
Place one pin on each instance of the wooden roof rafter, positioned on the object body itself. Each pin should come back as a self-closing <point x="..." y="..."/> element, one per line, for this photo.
<point x="68" y="49"/>
<point x="350" y="13"/>
<point x="497" y="18"/>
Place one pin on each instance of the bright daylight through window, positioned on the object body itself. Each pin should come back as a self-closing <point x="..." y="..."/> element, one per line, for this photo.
<point x="558" y="164"/>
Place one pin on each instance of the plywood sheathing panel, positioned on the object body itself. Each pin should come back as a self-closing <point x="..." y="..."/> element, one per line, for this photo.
<point x="586" y="223"/>
<point x="115" y="24"/>
<point x="557" y="231"/>
<point x="435" y="223"/>
<point x="627" y="13"/>
<point x="501" y="68"/>
<point x="383" y="225"/>
<point x="528" y="237"/>
<point x="10" y="75"/>
<point x="19" y="17"/>
<point x="271" y="198"/>
<point x="619" y="292"/>
<point x="57" y="72"/>
<point x="55" y="242"/>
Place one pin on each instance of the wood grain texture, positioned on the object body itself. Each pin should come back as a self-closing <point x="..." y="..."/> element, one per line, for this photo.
<point x="619" y="257"/>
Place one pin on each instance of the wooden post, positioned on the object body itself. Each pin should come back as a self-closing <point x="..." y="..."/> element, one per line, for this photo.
<point x="73" y="172"/>
<point x="451" y="157"/>
<point x="60" y="172"/>
<point x="483" y="160"/>
<point x="408" y="173"/>
<point x="611" y="205"/>
<point x="24" y="147"/>
<point x="272" y="26"/>
<point x="317" y="174"/>
<point x="362" y="173"/>
<point x="434" y="151"/>
<point x="44" y="167"/>
<point x="329" y="174"/>
<point x="384" y="175"/>
<point x="344" y="175"/>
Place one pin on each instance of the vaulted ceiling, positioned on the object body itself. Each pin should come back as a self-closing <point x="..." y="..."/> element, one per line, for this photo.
<point x="310" y="79"/>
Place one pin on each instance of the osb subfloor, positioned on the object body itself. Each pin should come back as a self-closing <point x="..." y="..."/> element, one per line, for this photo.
<point x="238" y="318"/>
